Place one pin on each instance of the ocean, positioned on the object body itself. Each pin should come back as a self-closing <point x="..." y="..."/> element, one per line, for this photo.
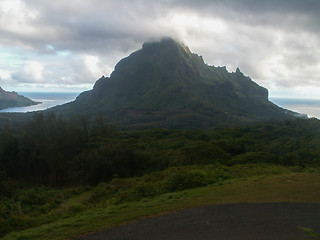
<point x="311" y="107"/>
<point x="47" y="99"/>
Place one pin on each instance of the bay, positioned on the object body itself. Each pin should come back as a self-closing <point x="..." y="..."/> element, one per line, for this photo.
<point x="47" y="99"/>
<point x="311" y="107"/>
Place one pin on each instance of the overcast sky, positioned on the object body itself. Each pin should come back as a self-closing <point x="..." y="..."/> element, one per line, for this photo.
<point x="66" y="45"/>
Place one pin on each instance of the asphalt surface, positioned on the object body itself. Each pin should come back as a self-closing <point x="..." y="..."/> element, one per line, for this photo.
<point x="228" y="221"/>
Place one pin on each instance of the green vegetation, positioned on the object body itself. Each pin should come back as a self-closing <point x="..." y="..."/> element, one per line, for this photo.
<point x="63" y="177"/>
<point x="53" y="151"/>
<point x="43" y="212"/>
<point x="310" y="232"/>
<point x="12" y="99"/>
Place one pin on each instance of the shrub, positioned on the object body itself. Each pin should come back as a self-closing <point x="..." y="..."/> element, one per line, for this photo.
<point x="254" y="157"/>
<point x="204" y="153"/>
<point x="182" y="179"/>
<point x="145" y="190"/>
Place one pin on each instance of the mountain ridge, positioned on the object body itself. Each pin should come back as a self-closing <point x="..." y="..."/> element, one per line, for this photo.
<point x="164" y="84"/>
<point x="13" y="99"/>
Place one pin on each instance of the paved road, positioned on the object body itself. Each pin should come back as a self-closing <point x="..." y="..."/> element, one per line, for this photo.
<point x="229" y="221"/>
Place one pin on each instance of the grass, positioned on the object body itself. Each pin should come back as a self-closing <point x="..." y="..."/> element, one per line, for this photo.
<point x="241" y="184"/>
<point x="310" y="232"/>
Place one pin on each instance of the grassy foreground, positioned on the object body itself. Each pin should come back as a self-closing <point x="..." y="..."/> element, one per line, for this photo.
<point x="103" y="207"/>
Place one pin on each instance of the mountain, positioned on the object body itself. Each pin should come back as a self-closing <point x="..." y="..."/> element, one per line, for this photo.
<point x="13" y="99"/>
<point x="165" y="85"/>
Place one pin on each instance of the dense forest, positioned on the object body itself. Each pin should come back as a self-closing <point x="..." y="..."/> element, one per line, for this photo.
<point x="48" y="159"/>
<point x="58" y="152"/>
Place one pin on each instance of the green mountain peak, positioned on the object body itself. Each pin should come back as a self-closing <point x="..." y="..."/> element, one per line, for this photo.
<point x="164" y="84"/>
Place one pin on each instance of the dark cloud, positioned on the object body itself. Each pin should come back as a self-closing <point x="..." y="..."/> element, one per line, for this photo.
<point x="74" y="42"/>
<point x="95" y="25"/>
<point x="252" y="6"/>
<point x="100" y="25"/>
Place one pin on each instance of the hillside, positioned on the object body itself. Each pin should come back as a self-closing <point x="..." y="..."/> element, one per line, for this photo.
<point x="13" y="99"/>
<point x="56" y="174"/>
<point x="165" y="85"/>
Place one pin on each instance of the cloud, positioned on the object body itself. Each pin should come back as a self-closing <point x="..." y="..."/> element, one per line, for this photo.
<point x="31" y="72"/>
<point x="4" y="75"/>
<point x="275" y="42"/>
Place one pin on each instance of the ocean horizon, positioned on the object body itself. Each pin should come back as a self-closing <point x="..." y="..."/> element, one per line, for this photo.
<point x="311" y="107"/>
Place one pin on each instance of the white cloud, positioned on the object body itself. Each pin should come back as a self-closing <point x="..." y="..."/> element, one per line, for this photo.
<point x="74" y="42"/>
<point x="31" y="72"/>
<point x="17" y="22"/>
<point x="5" y="75"/>
<point x="92" y="64"/>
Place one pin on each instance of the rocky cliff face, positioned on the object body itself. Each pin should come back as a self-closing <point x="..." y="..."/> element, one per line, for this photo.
<point x="165" y="85"/>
